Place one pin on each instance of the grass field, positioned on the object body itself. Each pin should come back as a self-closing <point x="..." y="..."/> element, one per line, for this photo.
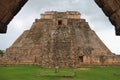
<point x="27" y="72"/>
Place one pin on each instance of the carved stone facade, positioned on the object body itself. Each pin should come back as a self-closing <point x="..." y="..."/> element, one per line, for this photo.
<point x="8" y="9"/>
<point x="112" y="9"/>
<point x="60" y="39"/>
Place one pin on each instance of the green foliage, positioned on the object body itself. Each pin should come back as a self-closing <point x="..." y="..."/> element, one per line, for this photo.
<point x="114" y="53"/>
<point x="38" y="73"/>
<point x="1" y="52"/>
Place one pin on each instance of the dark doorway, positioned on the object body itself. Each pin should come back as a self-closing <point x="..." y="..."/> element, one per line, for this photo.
<point x="59" y="22"/>
<point x="81" y="58"/>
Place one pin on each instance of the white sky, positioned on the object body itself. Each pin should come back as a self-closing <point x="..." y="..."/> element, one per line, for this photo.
<point x="88" y="8"/>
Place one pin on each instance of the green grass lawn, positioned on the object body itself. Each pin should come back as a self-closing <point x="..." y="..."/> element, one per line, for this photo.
<point x="28" y="72"/>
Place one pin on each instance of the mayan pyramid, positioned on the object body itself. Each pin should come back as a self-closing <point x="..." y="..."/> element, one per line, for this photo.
<point x="58" y="39"/>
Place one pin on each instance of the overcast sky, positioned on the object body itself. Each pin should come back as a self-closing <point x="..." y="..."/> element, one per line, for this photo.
<point x="88" y="8"/>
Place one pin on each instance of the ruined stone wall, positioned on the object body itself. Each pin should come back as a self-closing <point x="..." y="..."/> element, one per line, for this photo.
<point x="26" y="56"/>
<point x="112" y="60"/>
<point x="112" y="9"/>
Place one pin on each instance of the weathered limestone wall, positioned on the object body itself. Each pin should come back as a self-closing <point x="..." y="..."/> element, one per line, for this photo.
<point x="112" y="9"/>
<point x="26" y="56"/>
<point x="68" y="14"/>
<point x="112" y="60"/>
<point x="8" y="9"/>
<point x="49" y="16"/>
<point x="92" y="60"/>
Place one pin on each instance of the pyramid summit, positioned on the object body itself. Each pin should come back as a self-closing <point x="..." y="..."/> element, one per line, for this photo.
<point x="61" y="39"/>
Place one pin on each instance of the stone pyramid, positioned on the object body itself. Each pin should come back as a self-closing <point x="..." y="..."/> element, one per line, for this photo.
<point x="58" y="39"/>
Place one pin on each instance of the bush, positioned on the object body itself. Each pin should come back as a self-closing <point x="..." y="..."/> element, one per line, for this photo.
<point x="1" y="53"/>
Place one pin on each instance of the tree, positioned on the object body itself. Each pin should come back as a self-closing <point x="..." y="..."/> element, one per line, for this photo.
<point x="1" y="53"/>
<point x="114" y="53"/>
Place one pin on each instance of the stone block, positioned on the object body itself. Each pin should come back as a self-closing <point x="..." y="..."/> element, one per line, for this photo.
<point x="115" y="20"/>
